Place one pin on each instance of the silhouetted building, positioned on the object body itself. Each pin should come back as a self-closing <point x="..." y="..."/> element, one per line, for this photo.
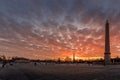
<point x="68" y="59"/>
<point x="107" y="57"/>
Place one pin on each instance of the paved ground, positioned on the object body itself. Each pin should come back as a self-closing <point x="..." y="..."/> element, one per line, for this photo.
<point x="60" y="72"/>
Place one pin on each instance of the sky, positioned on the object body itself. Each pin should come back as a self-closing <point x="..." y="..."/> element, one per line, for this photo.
<point x="48" y="29"/>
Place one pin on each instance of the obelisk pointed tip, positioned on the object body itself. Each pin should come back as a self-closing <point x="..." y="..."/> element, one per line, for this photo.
<point x="107" y="21"/>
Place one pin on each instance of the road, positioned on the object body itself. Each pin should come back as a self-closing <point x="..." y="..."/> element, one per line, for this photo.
<point x="60" y="72"/>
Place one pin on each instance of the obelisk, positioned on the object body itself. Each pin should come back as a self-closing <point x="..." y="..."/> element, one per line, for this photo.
<point x="107" y="57"/>
<point x="73" y="57"/>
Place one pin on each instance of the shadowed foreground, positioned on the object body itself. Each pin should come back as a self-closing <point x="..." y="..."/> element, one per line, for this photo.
<point x="59" y="72"/>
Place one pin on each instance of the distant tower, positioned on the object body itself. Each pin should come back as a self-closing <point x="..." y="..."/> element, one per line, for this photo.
<point x="107" y="57"/>
<point x="73" y="57"/>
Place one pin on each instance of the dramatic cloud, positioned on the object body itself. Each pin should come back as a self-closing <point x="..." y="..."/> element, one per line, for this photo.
<point x="57" y="28"/>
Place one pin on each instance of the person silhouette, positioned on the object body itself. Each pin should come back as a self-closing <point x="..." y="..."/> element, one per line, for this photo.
<point x="35" y="64"/>
<point x="4" y="62"/>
